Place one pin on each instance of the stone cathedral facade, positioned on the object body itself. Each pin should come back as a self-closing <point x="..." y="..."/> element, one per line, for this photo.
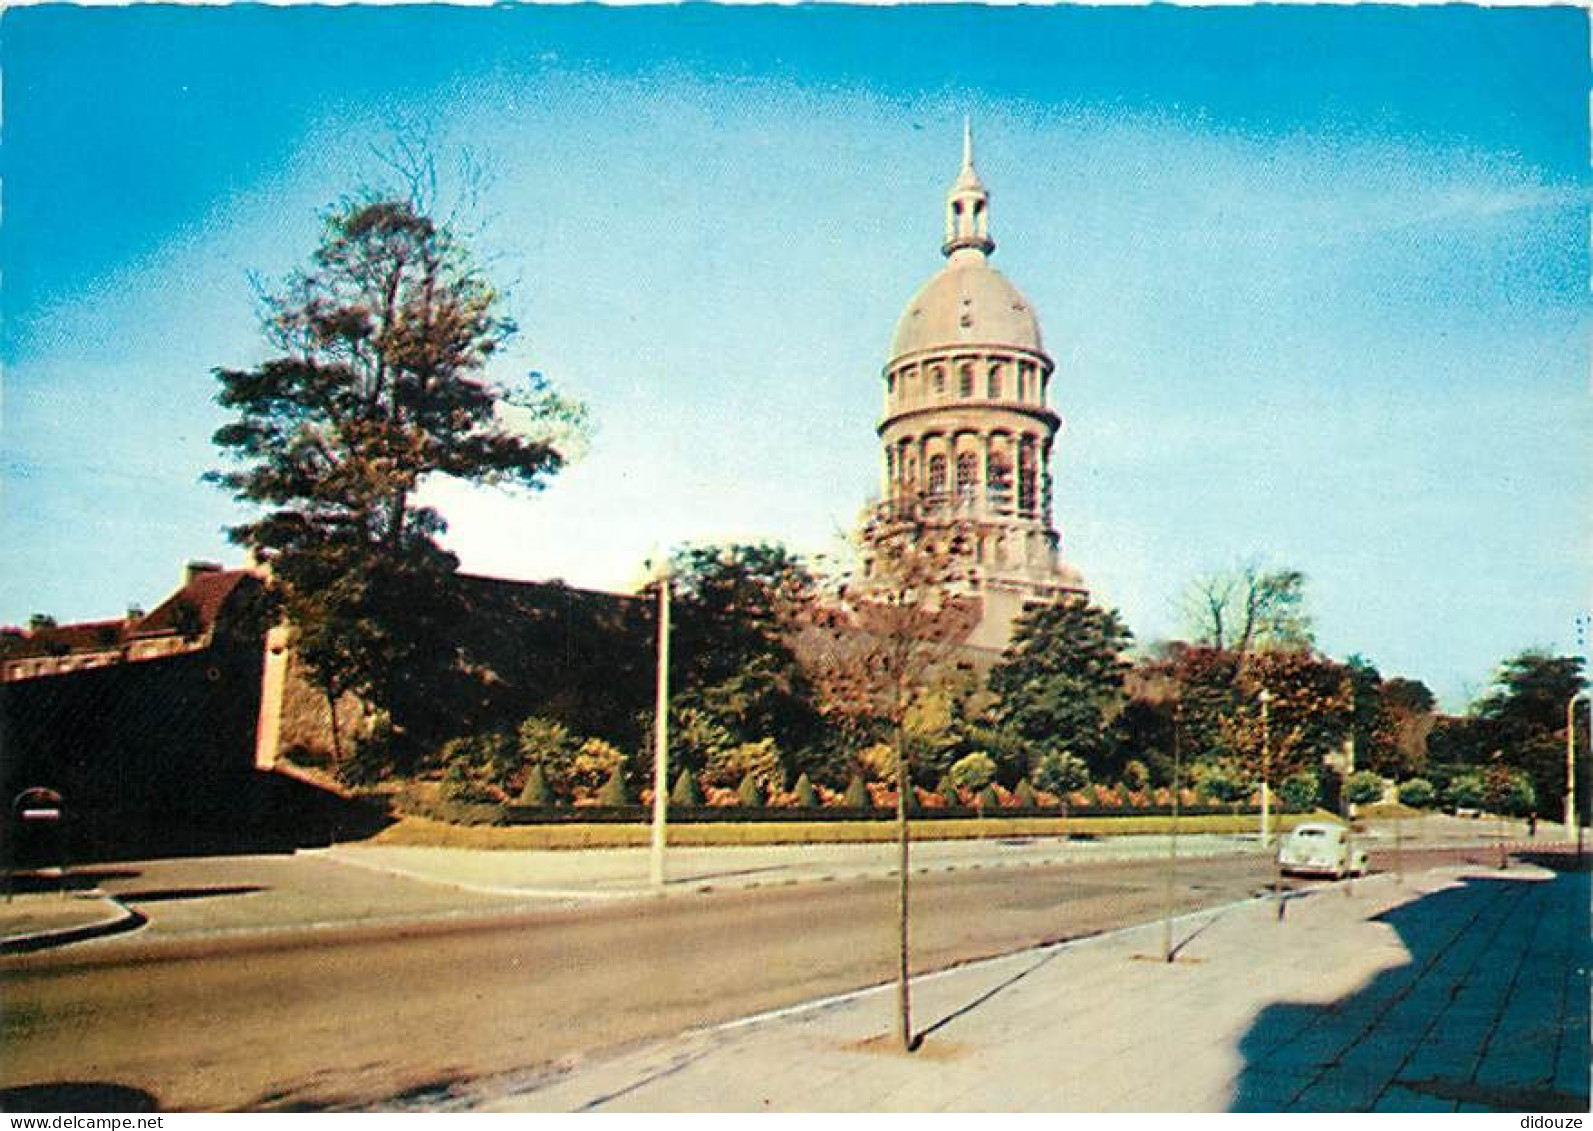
<point x="968" y="433"/>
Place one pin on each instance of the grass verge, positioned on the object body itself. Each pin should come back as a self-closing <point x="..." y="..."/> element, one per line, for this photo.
<point x="421" y="832"/>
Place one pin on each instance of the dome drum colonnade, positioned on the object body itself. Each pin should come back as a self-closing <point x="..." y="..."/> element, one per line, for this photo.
<point x="967" y="433"/>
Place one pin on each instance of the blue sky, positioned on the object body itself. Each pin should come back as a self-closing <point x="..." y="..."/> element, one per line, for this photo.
<point x="1316" y="280"/>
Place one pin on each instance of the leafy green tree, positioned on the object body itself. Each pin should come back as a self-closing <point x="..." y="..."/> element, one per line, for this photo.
<point x="1061" y="773"/>
<point x="1465" y="791"/>
<point x="1300" y="792"/>
<point x="1364" y="788"/>
<point x="728" y="766"/>
<point x="547" y="744"/>
<point x="735" y="609"/>
<point x="1523" y="717"/>
<point x="1060" y="681"/>
<point x="1221" y="784"/>
<point x="378" y="382"/>
<point x="1247" y="608"/>
<point x="973" y="772"/>
<point x="1418" y="793"/>
<point x="1412" y="706"/>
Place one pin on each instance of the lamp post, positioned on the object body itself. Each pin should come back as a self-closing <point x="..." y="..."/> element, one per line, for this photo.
<point x="1571" y="815"/>
<point x="1266" y="770"/>
<point x="661" y="734"/>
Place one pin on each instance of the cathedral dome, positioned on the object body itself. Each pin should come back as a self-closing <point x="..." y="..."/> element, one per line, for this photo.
<point x="967" y="303"/>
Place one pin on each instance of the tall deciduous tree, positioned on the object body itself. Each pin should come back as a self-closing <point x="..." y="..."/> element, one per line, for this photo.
<point x="1060" y="681"/>
<point x="1524" y="716"/>
<point x="1247" y="608"/>
<point x="378" y="381"/>
<point x="737" y="607"/>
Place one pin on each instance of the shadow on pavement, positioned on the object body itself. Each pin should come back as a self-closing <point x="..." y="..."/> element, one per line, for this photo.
<point x="164" y="895"/>
<point x="77" y="1097"/>
<point x="988" y="995"/>
<point x="1489" y="1014"/>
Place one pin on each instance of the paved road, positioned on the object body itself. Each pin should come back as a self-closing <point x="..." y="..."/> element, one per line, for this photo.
<point x="415" y="1013"/>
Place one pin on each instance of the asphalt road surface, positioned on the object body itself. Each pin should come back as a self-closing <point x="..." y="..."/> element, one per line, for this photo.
<point x="425" y="1014"/>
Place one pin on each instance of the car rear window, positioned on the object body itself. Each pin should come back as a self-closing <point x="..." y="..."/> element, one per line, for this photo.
<point x="1310" y="832"/>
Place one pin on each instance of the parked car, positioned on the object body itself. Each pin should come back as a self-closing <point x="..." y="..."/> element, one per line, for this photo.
<point x="1321" y="849"/>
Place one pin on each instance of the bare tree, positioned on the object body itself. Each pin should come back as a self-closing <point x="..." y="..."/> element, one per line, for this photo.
<point x="1248" y="608"/>
<point x="891" y="630"/>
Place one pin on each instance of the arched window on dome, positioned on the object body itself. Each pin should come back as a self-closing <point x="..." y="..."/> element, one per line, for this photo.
<point x="1025" y="380"/>
<point x="938" y="378"/>
<point x="1027" y="475"/>
<point x="993" y="383"/>
<point x="998" y="481"/>
<point x="937" y="475"/>
<point x="965" y="381"/>
<point x="890" y="385"/>
<point x="967" y="475"/>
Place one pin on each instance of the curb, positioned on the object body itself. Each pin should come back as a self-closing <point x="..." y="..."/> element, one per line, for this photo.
<point x="121" y="920"/>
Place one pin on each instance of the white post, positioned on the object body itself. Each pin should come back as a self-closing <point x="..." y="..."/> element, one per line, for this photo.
<point x="1266" y="772"/>
<point x="661" y="735"/>
<point x="1571" y="819"/>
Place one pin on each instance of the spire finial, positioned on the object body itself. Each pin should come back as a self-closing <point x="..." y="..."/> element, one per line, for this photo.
<point x="967" y="204"/>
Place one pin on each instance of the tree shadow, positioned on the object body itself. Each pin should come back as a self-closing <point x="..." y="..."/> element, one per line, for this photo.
<point x="1490" y="1013"/>
<point x="78" y="1097"/>
<point x="984" y="998"/>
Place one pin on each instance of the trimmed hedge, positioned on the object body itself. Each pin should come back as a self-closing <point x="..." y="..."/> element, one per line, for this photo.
<point x="716" y="814"/>
<point x="723" y="831"/>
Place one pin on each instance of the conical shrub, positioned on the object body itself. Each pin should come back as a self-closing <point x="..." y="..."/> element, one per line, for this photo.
<point x="1024" y="794"/>
<point x="988" y="799"/>
<point x="856" y="796"/>
<point x="685" y="793"/>
<point x="535" y="794"/>
<point x="748" y="795"/>
<point x="806" y="796"/>
<point x="613" y="791"/>
<point x="948" y="789"/>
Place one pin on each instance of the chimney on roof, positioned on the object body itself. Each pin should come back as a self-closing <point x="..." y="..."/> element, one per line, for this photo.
<point x="194" y="570"/>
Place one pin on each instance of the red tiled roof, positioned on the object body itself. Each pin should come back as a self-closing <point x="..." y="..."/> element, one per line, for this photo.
<point x="205" y="594"/>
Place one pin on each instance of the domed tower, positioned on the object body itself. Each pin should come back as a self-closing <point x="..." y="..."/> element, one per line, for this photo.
<point x="967" y="433"/>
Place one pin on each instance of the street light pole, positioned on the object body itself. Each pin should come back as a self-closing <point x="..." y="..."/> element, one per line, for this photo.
<point x="1172" y="849"/>
<point x="1266" y="771"/>
<point x="661" y="735"/>
<point x="1571" y="815"/>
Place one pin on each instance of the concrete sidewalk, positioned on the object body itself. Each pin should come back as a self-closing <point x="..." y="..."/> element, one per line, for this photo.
<point x="1455" y="990"/>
